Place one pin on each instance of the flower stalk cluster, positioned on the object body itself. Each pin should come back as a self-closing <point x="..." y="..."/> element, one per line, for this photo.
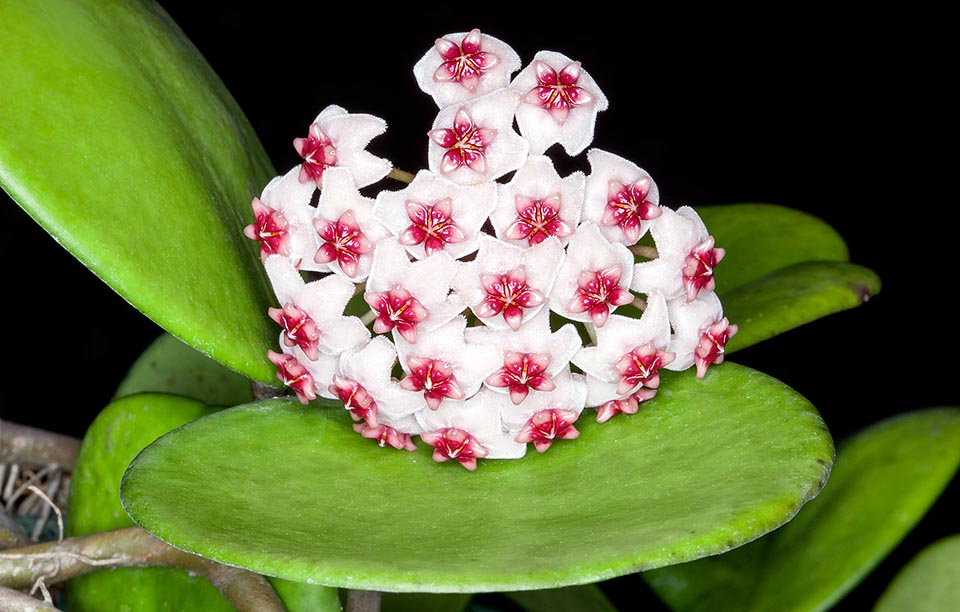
<point x="456" y="308"/>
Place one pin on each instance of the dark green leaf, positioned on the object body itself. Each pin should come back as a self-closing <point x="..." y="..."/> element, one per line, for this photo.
<point x="792" y="296"/>
<point x="120" y="431"/>
<point x="119" y="139"/>
<point x="587" y="598"/>
<point x="884" y="480"/>
<point x="425" y="602"/>
<point x="292" y="491"/>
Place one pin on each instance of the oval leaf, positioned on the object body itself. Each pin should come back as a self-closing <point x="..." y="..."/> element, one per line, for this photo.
<point x="170" y="366"/>
<point x="704" y="468"/>
<point x="761" y="238"/>
<point x="929" y="583"/>
<point x="793" y="296"/>
<point x="884" y="480"/>
<point x="116" y="436"/>
<point x="120" y="140"/>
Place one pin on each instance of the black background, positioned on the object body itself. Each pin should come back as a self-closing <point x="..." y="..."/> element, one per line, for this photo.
<point x="836" y="115"/>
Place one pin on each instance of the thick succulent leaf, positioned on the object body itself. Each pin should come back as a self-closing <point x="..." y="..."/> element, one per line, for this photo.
<point x="170" y="366"/>
<point x="761" y="238"/>
<point x="116" y="436"/>
<point x="120" y="140"/>
<point x="586" y="598"/>
<point x="292" y="491"/>
<point x="929" y="583"/>
<point x="884" y="480"/>
<point x="795" y="295"/>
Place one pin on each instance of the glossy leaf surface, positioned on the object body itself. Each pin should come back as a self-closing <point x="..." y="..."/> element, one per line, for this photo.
<point x="294" y="492"/>
<point x="761" y="238"/>
<point x="884" y="480"/>
<point x="116" y="436"/>
<point x="793" y="296"/>
<point x="119" y="139"/>
<point x="929" y="583"/>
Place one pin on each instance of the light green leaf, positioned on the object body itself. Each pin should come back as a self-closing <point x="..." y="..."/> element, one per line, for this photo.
<point x="170" y="366"/>
<point x="292" y="491"/>
<point x="586" y="598"/>
<point x="761" y="238"/>
<point x="929" y="583"/>
<point x="795" y="295"/>
<point x="884" y="480"/>
<point x="116" y="436"/>
<point x="120" y="140"/>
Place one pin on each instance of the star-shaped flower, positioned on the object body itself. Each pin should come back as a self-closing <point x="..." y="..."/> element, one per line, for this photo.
<point x="613" y="370"/>
<point x="434" y="214"/>
<point x="686" y="257"/>
<point x="441" y="365"/>
<point x="465" y="65"/>
<point x="594" y="278"/>
<point x="620" y="197"/>
<point x="537" y="203"/>
<point x="478" y="416"/>
<point x="282" y="217"/>
<point x="346" y="229"/>
<point x="506" y="285"/>
<point x="547" y="426"/>
<point x="366" y="378"/>
<point x="570" y="394"/>
<point x="475" y="142"/>
<point x="292" y="373"/>
<point x="339" y="138"/>
<point x="701" y="332"/>
<point x="559" y="105"/>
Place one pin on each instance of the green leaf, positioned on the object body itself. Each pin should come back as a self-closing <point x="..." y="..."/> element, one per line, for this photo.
<point x="120" y="140"/>
<point x="761" y="238"/>
<point x="425" y="602"/>
<point x="793" y="296"/>
<point x="292" y="491"/>
<point x="929" y="583"/>
<point x="884" y="480"/>
<point x="170" y="366"/>
<point x="116" y="436"/>
<point x="587" y="598"/>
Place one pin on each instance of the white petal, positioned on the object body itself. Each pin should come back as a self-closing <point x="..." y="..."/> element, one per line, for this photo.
<point x="606" y="167"/>
<point x="321" y="369"/>
<point x="505" y="153"/>
<point x="292" y="198"/>
<point x="570" y="394"/>
<point x="350" y="134"/>
<point x="480" y="417"/>
<point x="451" y="92"/>
<point x="689" y="319"/>
<point x="534" y="336"/>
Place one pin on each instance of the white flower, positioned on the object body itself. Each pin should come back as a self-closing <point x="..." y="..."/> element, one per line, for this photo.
<point x="475" y="142"/>
<point x="441" y="366"/>
<point x="411" y="296"/>
<point x="628" y="354"/>
<point x="686" y="257"/>
<point x="368" y="390"/>
<point x="620" y="197"/>
<point x="570" y="394"/>
<point x="346" y="230"/>
<point x="537" y="203"/>
<point x="594" y="278"/>
<point x="339" y="138"/>
<point x="701" y="332"/>
<point x="433" y="214"/>
<point x="282" y="219"/>
<point x="560" y="103"/>
<point x="479" y="416"/>
<point x="465" y="65"/>
<point x="322" y="301"/>
<point x="506" y="285"/>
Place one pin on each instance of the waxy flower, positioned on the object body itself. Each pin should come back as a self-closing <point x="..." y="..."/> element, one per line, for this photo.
<point x="339" y="138"/>
<point x="475" y="142"/>
<point x="465" y="65"/>
<point x="569" y="394"/>
<point x="507" y="285"/>
<point x="701" y="332"/>
<point x="292" y="373"/>
<point x="282" y="218"/>
<point x="366" y="378"/>
<point x="548" y="425"/>
<point x="346" y="229"/>
<point x="686" y="257"/>
<point x="594" y="278"/>
<point x="620" y="197"/>
<point x="478" y="416"/>
<point x="385" y="436"/>
<point x="433" y="214"/>
<point x="537" y="204"/>
<point x="560" y="102"/>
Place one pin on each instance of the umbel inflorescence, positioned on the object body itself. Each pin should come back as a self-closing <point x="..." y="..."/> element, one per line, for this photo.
<point x="493" y="281"/>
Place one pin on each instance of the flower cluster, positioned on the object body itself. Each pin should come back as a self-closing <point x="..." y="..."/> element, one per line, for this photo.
<point x="490" y="301"/>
